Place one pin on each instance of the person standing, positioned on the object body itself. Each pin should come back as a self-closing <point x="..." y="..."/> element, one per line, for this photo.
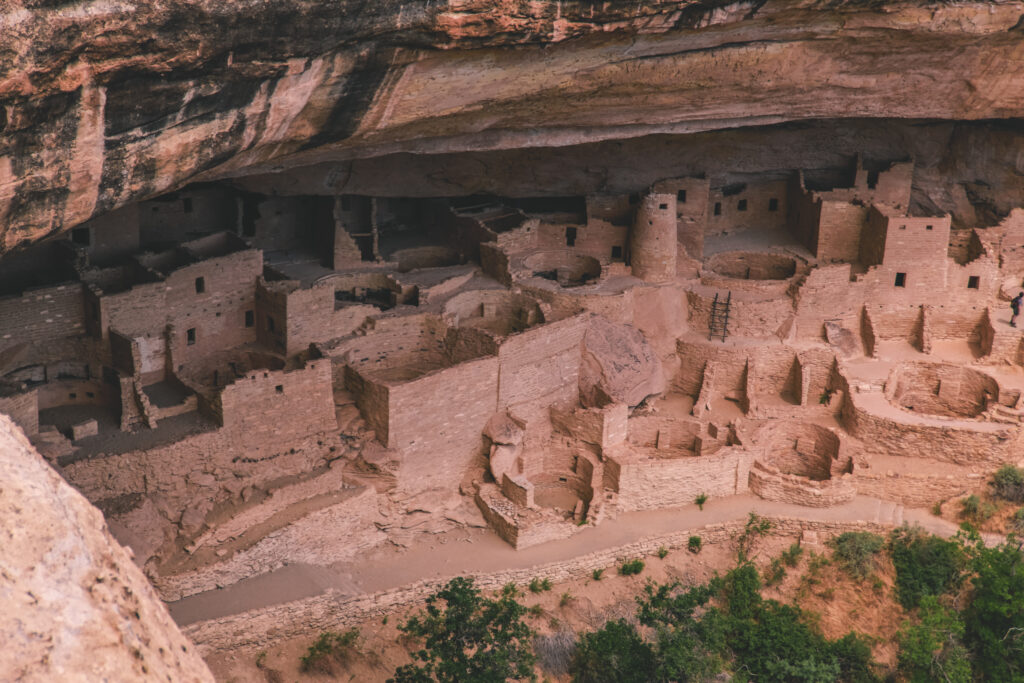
<point x="1015" y="304"/>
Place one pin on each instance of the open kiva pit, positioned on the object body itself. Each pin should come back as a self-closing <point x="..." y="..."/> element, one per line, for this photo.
<point x="942" y="390"/>
<point x="745" y="265"/>
<point x="297" y="296"/>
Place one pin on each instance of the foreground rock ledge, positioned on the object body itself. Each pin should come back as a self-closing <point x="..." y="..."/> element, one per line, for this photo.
<point x="73" y="606"/>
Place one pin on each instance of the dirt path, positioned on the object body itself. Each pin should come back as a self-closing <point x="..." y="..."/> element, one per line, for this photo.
<point x="479" y="550"/>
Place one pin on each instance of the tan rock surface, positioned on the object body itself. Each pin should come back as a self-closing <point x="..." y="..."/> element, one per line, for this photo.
<point x="105" y="106"/>
<point x="74" y="607"/>
<point x="618" y="366"/>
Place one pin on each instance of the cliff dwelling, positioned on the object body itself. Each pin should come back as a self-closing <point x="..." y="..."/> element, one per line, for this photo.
<point x="423" y="296"/>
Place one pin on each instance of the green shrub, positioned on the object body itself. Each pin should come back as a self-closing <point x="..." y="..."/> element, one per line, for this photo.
<point x="937" y="509"/>
<point x="631" y="567"/>
<point x="597" y="574"/>
<point x="932" y="649"/>
<point x="855" y="551"/>
<point x="976" y="510"/>
<point x="566" y="598"/>
<point x="925" y="565"/>
<point x="1017" y="522"/>
<point x="700" y="500"/>
<point x="539" y="585"/>
<point x="328" y="651"/>
<point x="468" y="637"/>
<point x="755" y="528"/>
<point x="662" y="552"/>
<point x="994" y="620"/>
<point x="791" y="555"/>
<point x="616" y="653"/>
<point x="694" y="544"/>
<point x="1008" y="483"/>
<point x="775" y="572"/>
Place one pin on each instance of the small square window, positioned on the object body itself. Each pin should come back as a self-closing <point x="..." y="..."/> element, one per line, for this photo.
<point x="616" y="252"/>
<point x="81" y="236"/>
<point x="200" y="285"/>
<point x="901" y="280"/>
<point x="662" y="207"/>
<point x="927" y="227"/>
<point x="250" y="319"/>
<point x="973" y="281"/>
<point x="279" y="388"/>
<point x="903" y="227"/>
<point x="773" y="204"/>
<point x="190" y="336"/>
<point x="718" y="208"/>
<point x="186" y="205"/>
<point x="72" y="395"/>
<point x="741" y="205"/>
<point x="681" y="196"/>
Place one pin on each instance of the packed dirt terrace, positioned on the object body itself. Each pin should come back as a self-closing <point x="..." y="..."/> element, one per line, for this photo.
<point x="252" y="385"/>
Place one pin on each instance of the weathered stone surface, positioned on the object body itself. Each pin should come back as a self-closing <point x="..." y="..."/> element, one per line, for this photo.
<point x="106" y="106"/>
<point x="74" y="606"/>
<point x="618" y="366"/>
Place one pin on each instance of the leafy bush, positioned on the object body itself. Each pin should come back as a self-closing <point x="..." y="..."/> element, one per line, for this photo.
<point x="700" y="500"/>
<point x="597" y="574"/>
<point x="616" y="653"/>
<point x="925" y="565"/>
<point x="1008" y="483"/>
<point x="791" y="556"/>
<point x="468" y="637"/>
<point x="555" y="651"/>
<point x="566" y="598"/>
<point x="755" y="528"/>
<point x="694" y="544"/>
<point x="932" y="650"/>
<point x="328" y="651"/>
<point x="662" y="552"/>
<point x="539" y="586"/>
<point x="974" y="509"/>
<point x="994" y="620"/>
<point x="775" y="573"/>
<point x="855" y="551"/>
<point x="631" y="567"/>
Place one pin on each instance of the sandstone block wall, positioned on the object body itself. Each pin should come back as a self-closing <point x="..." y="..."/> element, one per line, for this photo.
<point x="652" y="241"/>
<point x="40" y="315"/>
<point x="650" y="483"/>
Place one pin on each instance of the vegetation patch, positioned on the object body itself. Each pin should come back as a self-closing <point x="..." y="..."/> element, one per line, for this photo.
<point x="855" y="552"/>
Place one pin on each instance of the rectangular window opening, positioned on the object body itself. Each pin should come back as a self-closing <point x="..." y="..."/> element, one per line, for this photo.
<point x="250" y="319"/>
<point x="928" y="227"/>
<point x="616" y="252"/>
<point x="570" y="237"/>
<point x="279" y="388"/>
<point x="662" y="207"/>
<point x="901" y="280"/>
<point x="741" y="205"/>
<point x="681" y="196"/>
<point x="903" y="227"/>
<point x="200" y="285"/>
<point x="270" y="324"/>
<point x="190" y="336"/>
<point x="81" y="236"/>
<point x="973" y="281"/>
<point x="872" y="179"/>
<point x="773" y="204"/>
<point x="718" y="208"/>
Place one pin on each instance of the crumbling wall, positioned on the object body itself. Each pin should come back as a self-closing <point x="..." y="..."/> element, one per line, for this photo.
<point x="40" y="315"/>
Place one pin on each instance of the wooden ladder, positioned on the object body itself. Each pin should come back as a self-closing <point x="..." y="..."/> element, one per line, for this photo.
<point x="718" y="323"/>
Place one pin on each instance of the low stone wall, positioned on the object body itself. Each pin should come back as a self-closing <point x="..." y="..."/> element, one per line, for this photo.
<point x="771" y="484"/>
<point x="257" y="629"/>
<point x="913" y="489"/>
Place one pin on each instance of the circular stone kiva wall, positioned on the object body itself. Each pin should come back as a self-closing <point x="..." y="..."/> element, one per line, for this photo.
<point x="564" y="267"/>
<point x="747" y="265"/>
<point x="804" y="450"/>
<point x="942" y="390"/>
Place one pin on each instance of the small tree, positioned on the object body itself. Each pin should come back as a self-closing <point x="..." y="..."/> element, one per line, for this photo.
<point x="468" y="637"/>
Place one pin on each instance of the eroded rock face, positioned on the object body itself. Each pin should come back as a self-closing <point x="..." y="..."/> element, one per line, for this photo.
<point x="74" y="606"/>
<point x="618" y="366"/>
<point x="110" y="104"/>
